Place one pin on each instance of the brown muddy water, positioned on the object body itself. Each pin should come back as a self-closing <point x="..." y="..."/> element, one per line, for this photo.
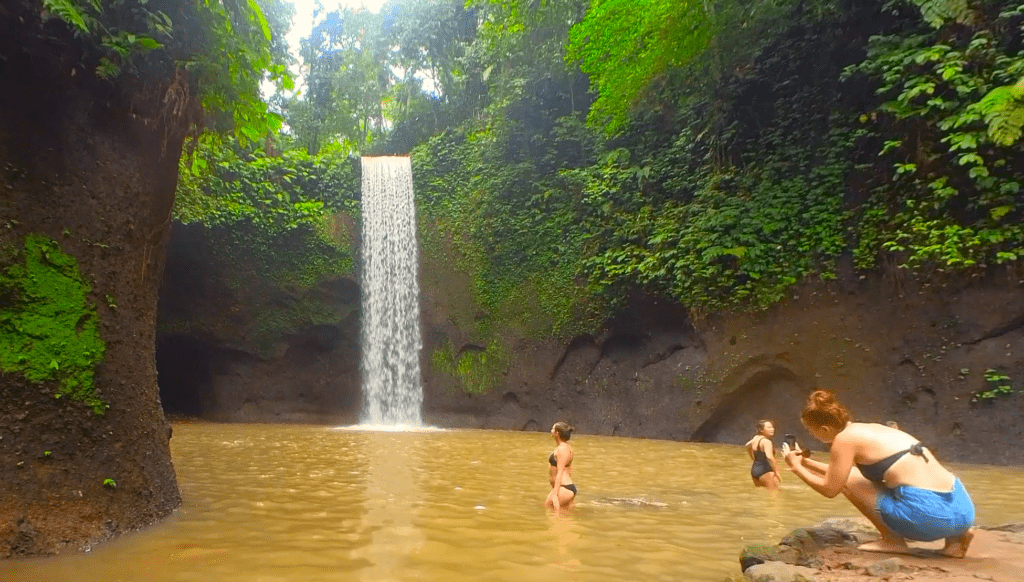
<point x="281" y="503"/>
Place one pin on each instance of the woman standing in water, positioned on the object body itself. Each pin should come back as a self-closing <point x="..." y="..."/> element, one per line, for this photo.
<point x="762" y="451"/>
<point x="889" y="476"/>
<point x="563" y="492"/>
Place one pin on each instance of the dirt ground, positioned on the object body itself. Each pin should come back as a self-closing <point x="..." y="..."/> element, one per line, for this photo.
<point x="993" y="555"/>
<point x="828" y="552"/>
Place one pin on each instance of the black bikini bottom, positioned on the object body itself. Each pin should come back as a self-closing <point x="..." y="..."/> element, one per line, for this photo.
<point x="571" y="487"/>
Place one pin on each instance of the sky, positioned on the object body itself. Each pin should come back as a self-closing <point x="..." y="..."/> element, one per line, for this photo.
<point x="302" y="21"/>
<point x="302" y="24"/>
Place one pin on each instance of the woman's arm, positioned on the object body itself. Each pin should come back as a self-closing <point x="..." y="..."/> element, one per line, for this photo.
<point x="816" y="466"/>
<point x="832" y="482"/>
<point x="559" y="471"/>
<point x="769" y="451"/>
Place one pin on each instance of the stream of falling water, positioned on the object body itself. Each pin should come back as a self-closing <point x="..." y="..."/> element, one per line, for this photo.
<point x="392" y="393"/>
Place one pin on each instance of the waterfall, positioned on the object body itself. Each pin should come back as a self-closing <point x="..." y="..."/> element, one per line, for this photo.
<point x="392" y="393"/>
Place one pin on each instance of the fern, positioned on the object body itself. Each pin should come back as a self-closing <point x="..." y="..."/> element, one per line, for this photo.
<point x="938" y="12"/>
<point x="68" y="11"/>
<point x="1003" y="109"/>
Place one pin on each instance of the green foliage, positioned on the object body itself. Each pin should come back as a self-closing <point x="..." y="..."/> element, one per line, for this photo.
<point x="48" y="328"/>
<point x="999" y="384"/>
<point x="514" y="235"/>
<point x="720" y="249"/>
<point x="1003" y="110"/>
<point x="953" y="201"/>
<point x="939" y="12"/>
<point x="68" y="11"/>
<point x="227" y="48"/>
<point x="110" y="483"/>
<point x="624" y="44"/>
<point x="476" y="370"/>
<point x="275" y="227"/>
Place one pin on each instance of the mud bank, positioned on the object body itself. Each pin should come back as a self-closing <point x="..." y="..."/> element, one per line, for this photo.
<point x="827" y="552"/>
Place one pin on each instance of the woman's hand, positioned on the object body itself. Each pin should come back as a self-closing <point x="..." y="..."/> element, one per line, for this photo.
<point x="791" y="455"/>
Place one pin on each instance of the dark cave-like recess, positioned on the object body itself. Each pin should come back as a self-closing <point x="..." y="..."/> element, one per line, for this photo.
<point x="183" y="373"/>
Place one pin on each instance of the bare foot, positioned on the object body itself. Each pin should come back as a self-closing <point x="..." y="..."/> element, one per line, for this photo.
<point x="957" y="547"/>
<point x="887" y="547"/>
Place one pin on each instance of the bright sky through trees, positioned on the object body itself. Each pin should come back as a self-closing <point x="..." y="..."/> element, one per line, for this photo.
<point x="302" y="22"/>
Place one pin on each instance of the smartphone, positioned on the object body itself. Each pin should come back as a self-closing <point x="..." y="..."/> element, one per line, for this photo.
<point x="790" y="439"/>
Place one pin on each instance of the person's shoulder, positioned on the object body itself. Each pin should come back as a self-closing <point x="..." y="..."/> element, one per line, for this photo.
<point x="864" y="431"/>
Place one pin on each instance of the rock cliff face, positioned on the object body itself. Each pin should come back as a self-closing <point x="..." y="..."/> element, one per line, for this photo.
<point x="259" y="352"/>
<point x="89" y="173"/>
<point x="892" y="347"/>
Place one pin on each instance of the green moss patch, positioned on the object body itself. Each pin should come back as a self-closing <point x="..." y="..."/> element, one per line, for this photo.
<point x="48" y="328"/>
<point x="477" y="371"/>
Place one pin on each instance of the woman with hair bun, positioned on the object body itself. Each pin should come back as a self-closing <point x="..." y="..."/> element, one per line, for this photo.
<point x="563" y="491"/>
<point x="761" y="450"/>
<point x="889" y="476"/>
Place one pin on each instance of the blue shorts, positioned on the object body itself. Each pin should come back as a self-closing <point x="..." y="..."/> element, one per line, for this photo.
<point x="923" y="515"/>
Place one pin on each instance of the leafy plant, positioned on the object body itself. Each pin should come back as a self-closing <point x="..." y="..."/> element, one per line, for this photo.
<point x="999" y="384"/>
<point x="226" y="47"/>
<point x="953" y="200"/>
<point x="110" y="483"/>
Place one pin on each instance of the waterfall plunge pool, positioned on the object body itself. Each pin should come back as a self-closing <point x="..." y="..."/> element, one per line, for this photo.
<point x="288" y="503"/>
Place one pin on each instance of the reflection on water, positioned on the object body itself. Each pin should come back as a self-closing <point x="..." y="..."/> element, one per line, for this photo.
<point x="265" y="503"/>
<point x="392" y="497"/>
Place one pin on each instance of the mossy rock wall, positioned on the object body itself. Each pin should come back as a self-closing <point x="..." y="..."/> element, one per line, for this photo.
<point x="268" y="338"/>
<point x="87" y="178"/>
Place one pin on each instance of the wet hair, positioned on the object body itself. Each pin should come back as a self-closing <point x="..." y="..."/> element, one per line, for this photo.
<point x="823" y="410"/>
<point x="761" y="423"/>
<point x="564" y="430"/>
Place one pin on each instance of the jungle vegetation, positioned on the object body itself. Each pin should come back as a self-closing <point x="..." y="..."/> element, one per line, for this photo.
<point x="715" y="153"/>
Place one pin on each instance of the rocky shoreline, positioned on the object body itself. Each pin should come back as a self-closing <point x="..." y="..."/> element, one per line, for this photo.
<point x="827" y="552"/>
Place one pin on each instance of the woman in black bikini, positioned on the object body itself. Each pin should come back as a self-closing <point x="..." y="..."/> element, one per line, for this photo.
<point x="563" y="491"/>
<point x="889" y="476"/>
<point x="762" y="451"/>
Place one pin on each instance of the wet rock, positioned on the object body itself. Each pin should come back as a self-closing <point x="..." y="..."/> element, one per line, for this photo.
<point x="814" y="539"/>
<point x="779" y="572"/>
<point x="762" y="553"/>
<point x="888" y="567"/>
<point x="859" y="529"/>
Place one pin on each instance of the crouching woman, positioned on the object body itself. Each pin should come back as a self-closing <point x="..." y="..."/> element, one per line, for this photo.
<point x="889" y="476"/>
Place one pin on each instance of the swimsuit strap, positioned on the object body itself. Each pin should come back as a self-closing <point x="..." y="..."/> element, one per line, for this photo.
<point x="554" y="461"/>
<point x="918" y="449"/>
<point x="875" y="472"/>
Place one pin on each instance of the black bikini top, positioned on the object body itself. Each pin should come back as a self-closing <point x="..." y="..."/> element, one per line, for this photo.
<point x="554" y="462"/>
<point x="875" y="472"/>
